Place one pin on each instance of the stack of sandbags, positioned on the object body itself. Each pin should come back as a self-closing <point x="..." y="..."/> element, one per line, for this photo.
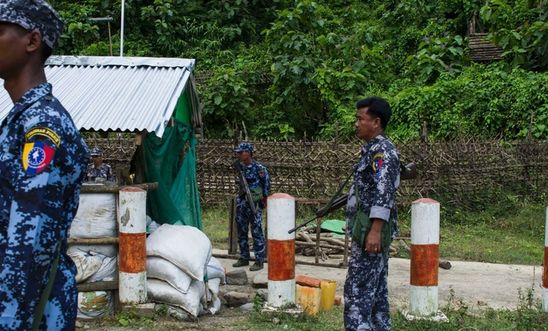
<point x="95" y="218"/>
<point x="178" y="260"/>
<point x="94" y="267"/>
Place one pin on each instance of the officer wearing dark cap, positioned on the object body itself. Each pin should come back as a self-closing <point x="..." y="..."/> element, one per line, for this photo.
<point x="42" y="164"/>
<point x="258" y="181"/>
<point x="372" y="198"/>
<point x="98" y="171"/>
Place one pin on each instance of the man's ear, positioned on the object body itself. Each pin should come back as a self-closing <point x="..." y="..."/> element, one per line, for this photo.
<point x="378" y="122"/>
<point x="34" y="41"/>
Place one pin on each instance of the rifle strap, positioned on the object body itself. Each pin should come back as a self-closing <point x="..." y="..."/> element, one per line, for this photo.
<point x="39" y="312"/>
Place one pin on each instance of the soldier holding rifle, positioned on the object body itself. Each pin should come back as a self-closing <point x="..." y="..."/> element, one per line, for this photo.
<point x="372" y="217"/>
<point x="254" y="183"/>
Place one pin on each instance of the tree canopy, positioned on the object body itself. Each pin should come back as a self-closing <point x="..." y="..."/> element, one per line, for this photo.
<point x="287" y="69"/>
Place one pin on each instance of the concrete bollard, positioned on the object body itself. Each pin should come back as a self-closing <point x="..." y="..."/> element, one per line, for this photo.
<point x="545" y="275"/>
<point x="132" y="245"/>
<point x="281" y="250"/>
<point x="425" y="234"/>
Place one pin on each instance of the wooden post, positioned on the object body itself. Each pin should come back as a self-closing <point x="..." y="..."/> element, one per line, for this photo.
<point x="318" y="230"/>
<point x="232" y="228"/>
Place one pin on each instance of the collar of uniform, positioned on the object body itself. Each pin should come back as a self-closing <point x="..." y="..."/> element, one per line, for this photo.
<point x="248" y="165"/>
<point x="30" y="97"/>
<point x="367" y="145"/>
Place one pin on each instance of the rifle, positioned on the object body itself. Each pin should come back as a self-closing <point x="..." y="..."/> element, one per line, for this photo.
<point x="245" y="187"/>
<point x="338" y="200"/>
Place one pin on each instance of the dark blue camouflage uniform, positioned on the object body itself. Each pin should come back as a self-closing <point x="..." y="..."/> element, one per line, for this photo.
<point x="376" y="178"/>
<point x="103" y="173"/>
<point x="42" y="164"/>
<point x="258" y="179"/>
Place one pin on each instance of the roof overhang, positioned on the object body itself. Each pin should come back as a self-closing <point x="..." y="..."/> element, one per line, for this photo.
<point x="131" y="94"/>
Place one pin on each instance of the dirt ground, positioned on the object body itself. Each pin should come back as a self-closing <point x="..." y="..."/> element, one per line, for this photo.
<point x="478" y="285"/>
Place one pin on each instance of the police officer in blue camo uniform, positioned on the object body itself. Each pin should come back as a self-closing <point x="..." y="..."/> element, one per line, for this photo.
<point x="258" y="181"/>
<point x="98" y="171"/>
<point x="376" y="178"/>
<point x="42" y="164"/>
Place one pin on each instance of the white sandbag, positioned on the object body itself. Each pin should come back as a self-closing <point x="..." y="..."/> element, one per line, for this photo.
<point x="214" y="285"/>
<point x="153" y="226"/>
<point x="162" y="269"/>
<point x="108" y="270"/>
<point x="96" y="216"/>
<point x="185" y="246"/>
<point x="86" y="265"/>
<point x="95" y="304"/>
<point x="212" y="301"/>
<point x="162" y="292"/>
<point x="215" y="269"/>
<point x="106" y="250"/>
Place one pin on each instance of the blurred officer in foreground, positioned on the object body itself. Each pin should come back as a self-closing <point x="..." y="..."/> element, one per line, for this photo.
<point x="372" y="218"/>
<point x="42" y="164"/>
<point x="98" y="171"/>
<point x="249" y="209"/>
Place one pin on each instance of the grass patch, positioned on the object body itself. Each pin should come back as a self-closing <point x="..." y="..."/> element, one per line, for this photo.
<point x="330" y="320"/>
<point x="528" y="317"/>
<point x="497" y="235"/>
<point x="215" y="221"/>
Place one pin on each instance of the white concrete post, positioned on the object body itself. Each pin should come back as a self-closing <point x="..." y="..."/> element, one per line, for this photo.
<point x="545" y="275"/>
<point x="281" y="250"/>
<point x="425" y="234"/>
<point x="132" y="249"/>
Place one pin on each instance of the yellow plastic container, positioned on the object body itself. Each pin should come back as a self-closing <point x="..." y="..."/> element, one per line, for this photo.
<point x="309" y="298"/>
<point x="328" y="289"/>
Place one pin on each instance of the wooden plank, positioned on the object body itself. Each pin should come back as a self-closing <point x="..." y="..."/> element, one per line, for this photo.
<point x="232" y="228"/>
<point x="113" y="188"/>
<point x="93" y="241"/>
<point x="98" y="286"/>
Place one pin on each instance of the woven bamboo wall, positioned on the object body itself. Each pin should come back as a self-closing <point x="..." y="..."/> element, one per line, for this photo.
<point x="462" y="171"/>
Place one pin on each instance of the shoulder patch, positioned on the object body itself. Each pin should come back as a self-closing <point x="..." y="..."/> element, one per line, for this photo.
<point x="39" y="149"/>
<point x="37" y="156"/>
<point x="378" y="160"/>
<point x="42" y="132"/>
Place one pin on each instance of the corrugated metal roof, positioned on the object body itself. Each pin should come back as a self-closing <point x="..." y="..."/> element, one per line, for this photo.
<point x="116" y="94"/>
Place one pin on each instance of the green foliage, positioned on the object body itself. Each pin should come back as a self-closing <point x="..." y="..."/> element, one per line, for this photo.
<point x="287" y="69"/>
<point x="438" y="56"/>
<point x="520" y="27"/>
<point x="483" y="101"/>
<point x="130" y="318"/>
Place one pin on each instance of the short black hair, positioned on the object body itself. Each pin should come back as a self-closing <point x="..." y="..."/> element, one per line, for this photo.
<point x="46" y="52"/>
<point x="377" y="107"/>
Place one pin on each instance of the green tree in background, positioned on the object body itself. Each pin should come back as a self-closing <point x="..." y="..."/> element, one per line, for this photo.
<point x="292" y="68"/>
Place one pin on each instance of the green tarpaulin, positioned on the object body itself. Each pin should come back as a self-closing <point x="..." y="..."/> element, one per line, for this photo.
<point x="171" y="161"/>
<point x="336" y="226"/>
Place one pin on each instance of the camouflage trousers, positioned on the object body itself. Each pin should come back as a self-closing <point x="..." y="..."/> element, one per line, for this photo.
<point x="366" y="292"/>
<point x="244" y="217"/>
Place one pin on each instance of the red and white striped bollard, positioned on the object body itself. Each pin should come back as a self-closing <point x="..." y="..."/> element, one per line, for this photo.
<point x="545" y="275"/>
<point x="281" y="250"/>
<point x="425" y="234"/>
<point x="132" y="245"/>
